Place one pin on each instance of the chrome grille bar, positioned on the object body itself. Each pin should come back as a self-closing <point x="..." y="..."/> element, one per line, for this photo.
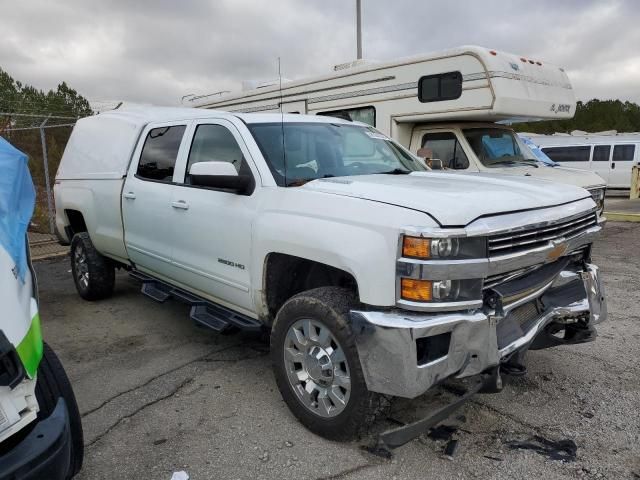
<point x="530" y="238"/>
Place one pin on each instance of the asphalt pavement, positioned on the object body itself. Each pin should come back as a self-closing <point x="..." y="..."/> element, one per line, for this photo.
<point x="158" y="395"/>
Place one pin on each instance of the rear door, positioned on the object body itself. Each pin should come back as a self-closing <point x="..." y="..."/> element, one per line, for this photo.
<point x="621" y="163"/>
<point x="147" y="197"/>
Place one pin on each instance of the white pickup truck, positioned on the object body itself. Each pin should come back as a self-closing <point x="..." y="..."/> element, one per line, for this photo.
<point x="375" y="277"/>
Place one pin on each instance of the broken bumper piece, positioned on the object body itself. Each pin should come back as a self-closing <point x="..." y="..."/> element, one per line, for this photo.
<point x="405" y="353"/>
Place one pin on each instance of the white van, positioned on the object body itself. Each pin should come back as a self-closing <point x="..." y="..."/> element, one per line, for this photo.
<point x="609" y="154"/>
<point x="437" y="101"/>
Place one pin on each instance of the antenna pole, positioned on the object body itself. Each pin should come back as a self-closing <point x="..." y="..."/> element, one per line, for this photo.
<point x="359" y="28"/>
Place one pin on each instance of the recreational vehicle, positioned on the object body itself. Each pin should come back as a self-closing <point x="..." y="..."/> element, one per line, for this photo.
<point x="609" y="154"/>
<point x="444" y="105"/>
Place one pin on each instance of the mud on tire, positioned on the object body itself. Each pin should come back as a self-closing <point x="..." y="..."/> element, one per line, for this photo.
<point x="93" y="274"/>
<point x="326" y="307"/>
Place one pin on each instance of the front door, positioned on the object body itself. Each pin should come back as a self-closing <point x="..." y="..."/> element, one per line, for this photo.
<point x="147" y="196"/>
<point x="211" y="229"/>
<point x="443" y="145"/>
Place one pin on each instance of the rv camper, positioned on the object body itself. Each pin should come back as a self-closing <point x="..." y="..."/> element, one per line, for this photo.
<point x="445" y="104"/>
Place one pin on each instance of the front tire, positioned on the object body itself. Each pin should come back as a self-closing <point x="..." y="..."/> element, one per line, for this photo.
<point x="93" y="274"/>
<point x="317" y="367"/>
<point x="51" y="384"/>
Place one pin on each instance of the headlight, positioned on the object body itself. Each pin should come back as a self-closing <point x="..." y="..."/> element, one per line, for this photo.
<point x="443" y="248"/>
<point x="415" y="290"/>
<point x="598" y="196"/>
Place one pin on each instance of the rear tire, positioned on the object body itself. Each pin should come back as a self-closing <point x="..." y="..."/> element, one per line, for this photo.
<point x="317" y="367"/>
<point x="93" y="274"/>
<point x="53" y="383"/>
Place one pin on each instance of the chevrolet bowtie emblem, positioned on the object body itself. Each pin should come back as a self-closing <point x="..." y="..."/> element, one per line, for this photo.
<point x="558" y="250"/>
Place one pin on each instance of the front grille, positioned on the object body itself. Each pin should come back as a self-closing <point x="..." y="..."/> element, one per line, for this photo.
<point x="530" y="238"/>
<point x="493" y="280"/>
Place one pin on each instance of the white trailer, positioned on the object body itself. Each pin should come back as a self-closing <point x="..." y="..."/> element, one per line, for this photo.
<point x="437" y="101"/>
<point x="610" y="154"/>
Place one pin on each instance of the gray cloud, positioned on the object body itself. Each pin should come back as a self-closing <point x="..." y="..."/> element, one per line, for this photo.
<point x="157" y="51"/>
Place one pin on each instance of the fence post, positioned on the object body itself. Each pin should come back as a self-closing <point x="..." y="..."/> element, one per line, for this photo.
<point x="45" y="159"/>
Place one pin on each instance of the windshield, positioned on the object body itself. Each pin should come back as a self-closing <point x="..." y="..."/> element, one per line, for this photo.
<point x="499" y="147"/>
<point x="543" y="157"/>
<point x="321" y="150"/>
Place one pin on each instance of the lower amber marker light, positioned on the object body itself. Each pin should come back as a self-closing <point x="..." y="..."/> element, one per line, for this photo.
<point x="416" y="290"/>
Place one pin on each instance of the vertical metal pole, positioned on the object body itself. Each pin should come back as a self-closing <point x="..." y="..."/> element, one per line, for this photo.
<point x="359" y="28"/>
<point x="45" y="160"/>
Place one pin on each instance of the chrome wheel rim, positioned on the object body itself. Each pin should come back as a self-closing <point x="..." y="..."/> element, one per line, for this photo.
<point x="317" y="368"/>
<point x="81" y="267"/>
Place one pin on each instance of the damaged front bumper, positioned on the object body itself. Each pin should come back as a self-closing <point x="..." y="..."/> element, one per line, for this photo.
<point x="405" y="353"/>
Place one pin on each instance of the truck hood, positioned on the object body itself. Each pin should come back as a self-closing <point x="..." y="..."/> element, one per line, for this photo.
<point x="452" y="199"/>
<point x="571" y="176"/>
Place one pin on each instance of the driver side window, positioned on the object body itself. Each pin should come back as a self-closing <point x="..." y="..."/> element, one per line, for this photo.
<point x="215" y="143"/>
<point x="445" y="147"/>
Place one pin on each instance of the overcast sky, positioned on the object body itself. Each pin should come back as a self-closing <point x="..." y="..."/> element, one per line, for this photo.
<point x="158" y="51"/>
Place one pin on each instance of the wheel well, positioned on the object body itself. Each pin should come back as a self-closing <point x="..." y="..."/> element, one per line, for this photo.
<point x="286" y="275"/>
<point x="76" y="222"/>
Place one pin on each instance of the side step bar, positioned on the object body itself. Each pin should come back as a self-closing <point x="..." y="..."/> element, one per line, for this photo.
<point x="203" y="312"/>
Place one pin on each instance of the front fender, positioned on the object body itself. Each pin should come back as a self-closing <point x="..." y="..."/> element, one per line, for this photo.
<point x="361" y="238"/>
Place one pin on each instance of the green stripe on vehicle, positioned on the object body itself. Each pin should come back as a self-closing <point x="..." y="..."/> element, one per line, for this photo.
<point x="30" y="348"/>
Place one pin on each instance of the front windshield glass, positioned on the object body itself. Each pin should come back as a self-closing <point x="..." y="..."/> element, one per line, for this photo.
<point x="499" y="147"/>
<point x="543" y="157"/>
<point x="322" y="150"/>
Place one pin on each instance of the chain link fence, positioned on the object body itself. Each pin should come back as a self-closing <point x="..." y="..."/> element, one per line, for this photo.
<point x="42" y="138"/>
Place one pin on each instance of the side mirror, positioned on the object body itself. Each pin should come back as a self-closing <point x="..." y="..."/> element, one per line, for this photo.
<point x="435" y="164"/>
<point x="221" y="175"/>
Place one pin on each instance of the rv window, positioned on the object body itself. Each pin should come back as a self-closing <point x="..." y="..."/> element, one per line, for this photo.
<point x="601" y="153"/>
<point x="436" y="88"/>
<point x="445" y="147"/>
<point x="158" y="157"/>
<point x="623" y="153"/>
<point x="568" y="154"/>
<point x="363" y="114"/>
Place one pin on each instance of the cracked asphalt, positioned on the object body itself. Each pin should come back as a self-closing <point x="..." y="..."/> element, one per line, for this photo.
<point x="158" y="394"/>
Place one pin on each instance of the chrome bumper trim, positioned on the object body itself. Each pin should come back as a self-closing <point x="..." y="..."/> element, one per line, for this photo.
<point x="386" y="340"/>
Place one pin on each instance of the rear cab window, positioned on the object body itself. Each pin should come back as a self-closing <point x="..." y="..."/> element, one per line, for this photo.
<point x="159" y="153"/>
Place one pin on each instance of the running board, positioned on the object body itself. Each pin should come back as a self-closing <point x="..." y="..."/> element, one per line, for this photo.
<point x="203" y="312"/>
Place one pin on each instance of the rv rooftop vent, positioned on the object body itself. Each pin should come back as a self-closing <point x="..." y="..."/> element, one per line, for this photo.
<point x="354" y="64"/>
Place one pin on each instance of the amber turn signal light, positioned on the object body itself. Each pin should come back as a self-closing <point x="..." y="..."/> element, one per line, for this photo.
<point x="416" y="247"/>
<point x="416" y="290"/>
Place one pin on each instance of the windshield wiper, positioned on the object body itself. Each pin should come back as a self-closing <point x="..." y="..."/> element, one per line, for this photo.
<point x="516" y="162"/>
<point x="395" y="171"/>
<point x="301" y="181"/>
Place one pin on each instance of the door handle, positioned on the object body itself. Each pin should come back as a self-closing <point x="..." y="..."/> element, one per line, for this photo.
<point x="130" y="195"/>
<point x="613" y="165"/>
<point x="181" y="204"/>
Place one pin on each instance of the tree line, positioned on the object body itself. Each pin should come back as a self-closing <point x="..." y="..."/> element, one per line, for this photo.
<point x="592" y="116"/>
<point x="23" y="107"/>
